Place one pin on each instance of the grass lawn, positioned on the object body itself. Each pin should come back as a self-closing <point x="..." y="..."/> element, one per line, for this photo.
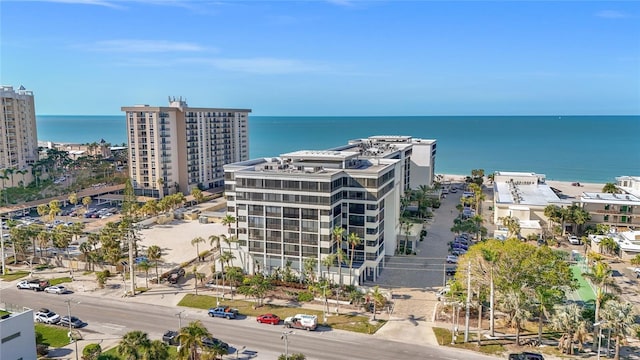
<point x="356" y="323"/>
<point x="14" y="275"/>
<point x="3" y="313"/>
<point x="112" y="354"/>
<point x="494" y="347"/>
<point x="58" y="281"/>
<point x="54" y="336"/>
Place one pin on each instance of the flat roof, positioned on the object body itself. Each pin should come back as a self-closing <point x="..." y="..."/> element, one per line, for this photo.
<point x="320" y="155"/>
<point x="608" y="198"/>
<point x="529" y="194"/>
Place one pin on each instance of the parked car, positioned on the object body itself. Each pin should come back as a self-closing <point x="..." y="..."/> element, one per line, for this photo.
<point x="268" y="319"/>
<point x="35" y="285"/>
<point x="452" y="259"/>
<point x="442" y="293"/>
<point x="451" y="271"/>
<point x="174" y="275"/>
<point x="637" y="272"/>
<point x="526" y="356"/>
<point x="574" y="240"/>
<point x="302" y="321"/>
<point x="56" y="289"/>
<point x="74" y="321"/>
<point x="46" y="316"/>
<point x="213" y="342"/>
<point x="221" y="312"/>
<point x="170" y="337"/>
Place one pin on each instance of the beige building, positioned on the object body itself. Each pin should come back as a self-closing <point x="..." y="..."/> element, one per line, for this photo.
<point x="615" y="210"/>
<point x="18" y="135"/>
<point x="177" y="147"/>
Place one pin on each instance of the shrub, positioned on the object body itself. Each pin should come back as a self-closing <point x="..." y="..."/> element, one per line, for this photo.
<point x="91" y="352"/>
<point x="305" y="296"/>
<point x="297" y="356"/>
<point x="107" y="273"/>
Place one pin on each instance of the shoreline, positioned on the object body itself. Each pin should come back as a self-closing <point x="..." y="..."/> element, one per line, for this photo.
<point x="565" y="186"/>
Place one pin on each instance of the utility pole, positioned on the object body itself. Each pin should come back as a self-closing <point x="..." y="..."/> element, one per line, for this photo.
<point x="285" y="337"/>
<point x="2" y="246"/>
<point x="466" y="316"/>
<point x="71" y="337"/>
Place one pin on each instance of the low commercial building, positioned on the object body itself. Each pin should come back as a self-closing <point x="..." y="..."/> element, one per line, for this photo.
<point x="524" y="196"/>
<point x="628" y="241"/>
<point x="17" y="336"/>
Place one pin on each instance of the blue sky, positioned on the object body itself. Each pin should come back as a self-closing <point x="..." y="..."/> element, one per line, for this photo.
<point x="335" y="57"/>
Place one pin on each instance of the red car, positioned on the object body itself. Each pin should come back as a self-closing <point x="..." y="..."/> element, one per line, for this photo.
<point x="268" y="319"/>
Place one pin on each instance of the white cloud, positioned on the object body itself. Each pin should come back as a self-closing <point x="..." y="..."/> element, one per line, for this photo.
<point x="144" y="46"/>
<point x="105" y="3"/>
<point x="262" y="65"/>
<point x="612" y="14"/>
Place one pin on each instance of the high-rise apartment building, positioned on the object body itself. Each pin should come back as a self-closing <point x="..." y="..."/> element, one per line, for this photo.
<point x="287" y="207"/>
<point x="18" y="135"/>
<point x="177" y="148"/>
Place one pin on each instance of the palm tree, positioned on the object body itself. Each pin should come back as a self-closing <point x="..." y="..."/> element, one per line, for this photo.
<point x="195" y="278"/>
<point x="610" y="188"/>
<point x="154" y="253"/>
<point x="328" y="262"/>
<point x="145" y="266"/>
<point x="310" y="265"/>
<point x="515" y="303"/>
<point x="228" y="221"/>
<point x="378" y="299"/>
<point x="609" y="246"/>
<point x="157" y="350"/>
<point x="491" y="257"/>
<point x="196" y="241"/>
<point x="190" y="338"/>
<point x="214" y="242"/>
<point x="354" y="240"/>
<point x="569" y="321"/>
<point x="512" y="224"/>
<point x="601" y="276"/>
<point x="86" y="201"/>
<point x="620" y="318"/>
<point x="133" y="345"/>
<point x="338" y="235"/>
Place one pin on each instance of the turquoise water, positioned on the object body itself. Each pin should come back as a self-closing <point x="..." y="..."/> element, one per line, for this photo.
<point x="568" y="148"/>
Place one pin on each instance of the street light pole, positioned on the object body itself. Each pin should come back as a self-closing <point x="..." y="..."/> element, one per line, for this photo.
<point x="2" y="246"/>
<point x="285" y="336"/>
<point x="179" y="315"/>
<point x="75" y="341"/>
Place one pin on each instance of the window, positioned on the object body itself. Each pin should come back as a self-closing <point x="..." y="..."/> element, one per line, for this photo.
<point x="10" y="337"/>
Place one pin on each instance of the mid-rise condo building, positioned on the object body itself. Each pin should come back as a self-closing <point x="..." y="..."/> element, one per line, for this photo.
<point x="286" y="207"/>
<point x="177" y="148"/>
<point x="18" y="135"/>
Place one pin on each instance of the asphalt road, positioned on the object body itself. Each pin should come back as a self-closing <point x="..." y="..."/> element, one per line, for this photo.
<point x="113" y="318"/>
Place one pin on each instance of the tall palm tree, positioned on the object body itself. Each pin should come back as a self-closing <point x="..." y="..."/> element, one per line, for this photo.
<point x="145" y="266"/>
<point x="196" y="241"/>
<point x="354" y="240"/>
<point x="601" y="276"/>
<point x="512" y="224"/>
<point x="214" y="242"/>
<point x="228" y="221"/>
<point x="338" y="236"/>
<point x="620" y="318"/>
<point x="569" y="321"/>
<point x="154" y="253"/>
<point x="328" y="261"/>
<point x="190" y="338"/>
<point x="133" y="345"/>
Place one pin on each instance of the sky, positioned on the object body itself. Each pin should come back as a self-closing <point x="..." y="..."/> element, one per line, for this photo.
<point x="326" y="58"/>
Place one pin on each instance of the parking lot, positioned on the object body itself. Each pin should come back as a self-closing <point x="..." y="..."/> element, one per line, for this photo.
<point x="428" y="268"/>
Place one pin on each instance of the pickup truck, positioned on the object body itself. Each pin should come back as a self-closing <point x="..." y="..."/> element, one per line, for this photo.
<point x="223" y="312"/>
<point x="302" y="321"/>
<point x="35" y="285"/>
<point x="170" y="337"/>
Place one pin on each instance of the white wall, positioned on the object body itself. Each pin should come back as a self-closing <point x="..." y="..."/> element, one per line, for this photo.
<point x="22" y="346"/>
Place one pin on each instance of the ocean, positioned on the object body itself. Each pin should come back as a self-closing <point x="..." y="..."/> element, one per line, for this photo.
<point x="587" y="149"/>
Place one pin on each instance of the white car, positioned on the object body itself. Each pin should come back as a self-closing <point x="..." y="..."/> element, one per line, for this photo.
<point x="55" y="289"/>
<point x="574" y="240"/>
<point x="47" y="316"/>
<point x="23" y="284"/>
<point x="637" y="272"/>
<point x="451" y="259"/>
